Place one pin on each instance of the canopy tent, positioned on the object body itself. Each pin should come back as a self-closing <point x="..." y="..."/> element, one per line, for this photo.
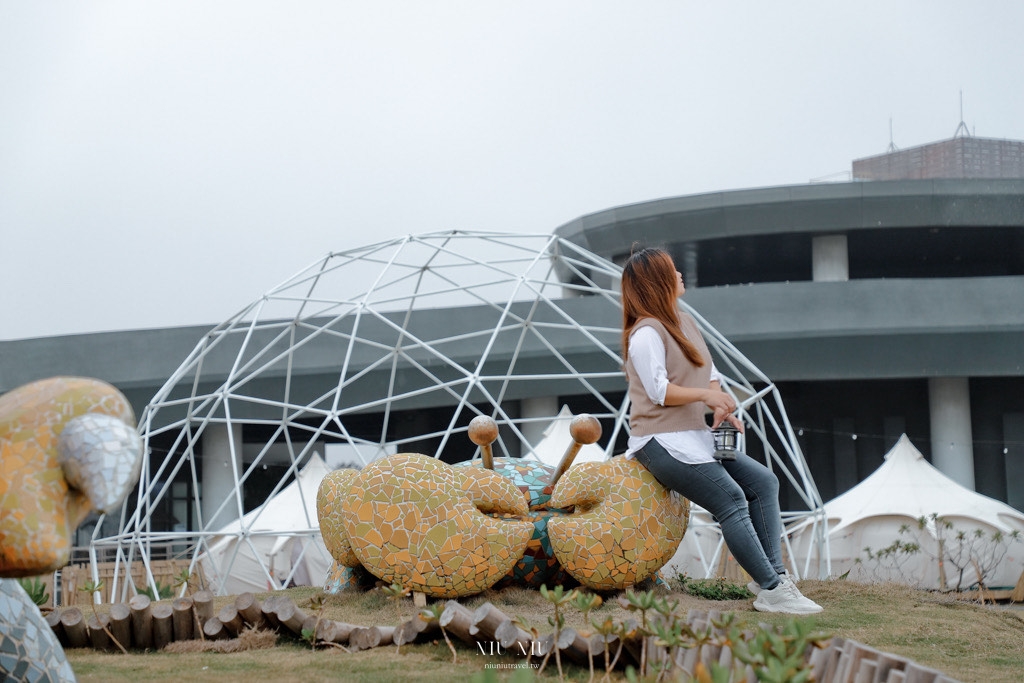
<point x="275" y="545"/>
<point x="885" y="508"/>
<point x="557" y="439"/>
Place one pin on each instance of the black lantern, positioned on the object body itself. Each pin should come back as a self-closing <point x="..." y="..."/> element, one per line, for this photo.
<point x="725" y="441"/>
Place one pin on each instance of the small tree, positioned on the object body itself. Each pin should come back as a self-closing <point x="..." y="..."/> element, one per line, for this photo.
<point x="642" y="602"/>
<point x="90" y="588"/>
<point x="396" y="592"/>
<point x="586" y="603"/>
<point x="317" y="604"/>
<point x="892" y="562"/>
<point x="558" y="599"/>
<point x="963" y="550"/>
<point x="432" y="614"/>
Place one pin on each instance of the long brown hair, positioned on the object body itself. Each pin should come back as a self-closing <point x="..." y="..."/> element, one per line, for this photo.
<point x="649" y="291"/>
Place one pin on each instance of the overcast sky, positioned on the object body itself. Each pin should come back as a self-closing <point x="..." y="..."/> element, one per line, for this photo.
<point x="165" y="163"/>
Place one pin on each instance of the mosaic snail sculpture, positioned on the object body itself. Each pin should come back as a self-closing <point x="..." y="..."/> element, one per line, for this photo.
<point x="450" y="531"/>
<point x="68" y="445"/>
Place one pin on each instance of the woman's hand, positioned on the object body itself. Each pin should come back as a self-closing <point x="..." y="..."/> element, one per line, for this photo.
<point x="723" y="406"/>
<point x="719" y="401"/>
<point x="723" y="416"/>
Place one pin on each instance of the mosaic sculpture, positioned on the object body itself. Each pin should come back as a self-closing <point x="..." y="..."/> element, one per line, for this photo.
<point x="624" y="528"/>
<point x="538" y="565"/>
<point x="68" y="446"/>
<point x="451" y="531"/>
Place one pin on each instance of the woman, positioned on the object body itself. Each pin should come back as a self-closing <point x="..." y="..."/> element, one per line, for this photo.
<point x="671" y="380"/>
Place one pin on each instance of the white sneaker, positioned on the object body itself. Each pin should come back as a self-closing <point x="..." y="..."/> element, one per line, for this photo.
<point x="786" y="598"/>
<point x="755" y="588"/>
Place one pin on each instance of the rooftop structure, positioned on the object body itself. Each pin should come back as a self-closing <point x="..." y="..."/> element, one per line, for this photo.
<point x="959" y="157"/>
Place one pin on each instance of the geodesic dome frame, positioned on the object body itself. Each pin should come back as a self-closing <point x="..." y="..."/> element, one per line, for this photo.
<point x="358" y="346"/>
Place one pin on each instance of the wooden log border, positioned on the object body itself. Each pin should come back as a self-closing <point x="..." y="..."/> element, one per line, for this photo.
<point x="141" y="625"/>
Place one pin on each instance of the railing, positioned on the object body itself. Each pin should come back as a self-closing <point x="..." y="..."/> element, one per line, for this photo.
<point x="64" y="585"/>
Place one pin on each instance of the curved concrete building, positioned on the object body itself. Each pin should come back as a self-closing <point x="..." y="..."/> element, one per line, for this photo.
<point x="878" y="308"/>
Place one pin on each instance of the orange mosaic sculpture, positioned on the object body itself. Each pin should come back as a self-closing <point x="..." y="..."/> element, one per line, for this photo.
<point x="538" y="565"/>
<point x="625" y="525"/>
<point x="417" y="521"/>
<point x="67" y="445"/>
<point x="453" y="531"/>
<point x="333" y="488"/>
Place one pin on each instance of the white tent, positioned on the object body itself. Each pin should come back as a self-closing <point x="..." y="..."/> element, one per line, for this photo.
<point x="902" y="490"/>
<point x="275" y="545"/>
<point x="557" y="440"/>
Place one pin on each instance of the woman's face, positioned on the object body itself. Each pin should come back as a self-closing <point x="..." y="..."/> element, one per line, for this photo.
<point x="680" y="287"/>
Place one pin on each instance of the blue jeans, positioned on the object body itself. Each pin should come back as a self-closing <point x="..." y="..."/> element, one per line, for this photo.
<point x="743" y="497"/>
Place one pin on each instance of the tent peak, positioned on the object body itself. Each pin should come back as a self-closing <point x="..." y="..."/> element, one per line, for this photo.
<point x="904" y="449"/>
<point x="564" y="413"/>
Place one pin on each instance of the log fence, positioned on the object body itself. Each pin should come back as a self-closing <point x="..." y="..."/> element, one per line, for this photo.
<point x="144" y="625"/>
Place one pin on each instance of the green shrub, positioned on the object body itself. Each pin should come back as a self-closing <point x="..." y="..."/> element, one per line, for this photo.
<point x="161" y="592"/>
<point x="36" y="590"/>
<point x="713" y="589"/>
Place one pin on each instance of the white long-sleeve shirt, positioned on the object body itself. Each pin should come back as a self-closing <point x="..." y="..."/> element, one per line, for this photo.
<point x="647" y="353"/>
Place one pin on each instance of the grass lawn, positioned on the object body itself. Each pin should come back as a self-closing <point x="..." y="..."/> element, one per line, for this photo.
<point x="970" y="642"/>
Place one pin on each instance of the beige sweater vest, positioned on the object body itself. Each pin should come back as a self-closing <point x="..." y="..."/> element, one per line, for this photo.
<point x="647" y="417"/>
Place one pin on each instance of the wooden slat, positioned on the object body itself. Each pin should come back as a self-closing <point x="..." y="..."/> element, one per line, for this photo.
<point x="72" y="577"/>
